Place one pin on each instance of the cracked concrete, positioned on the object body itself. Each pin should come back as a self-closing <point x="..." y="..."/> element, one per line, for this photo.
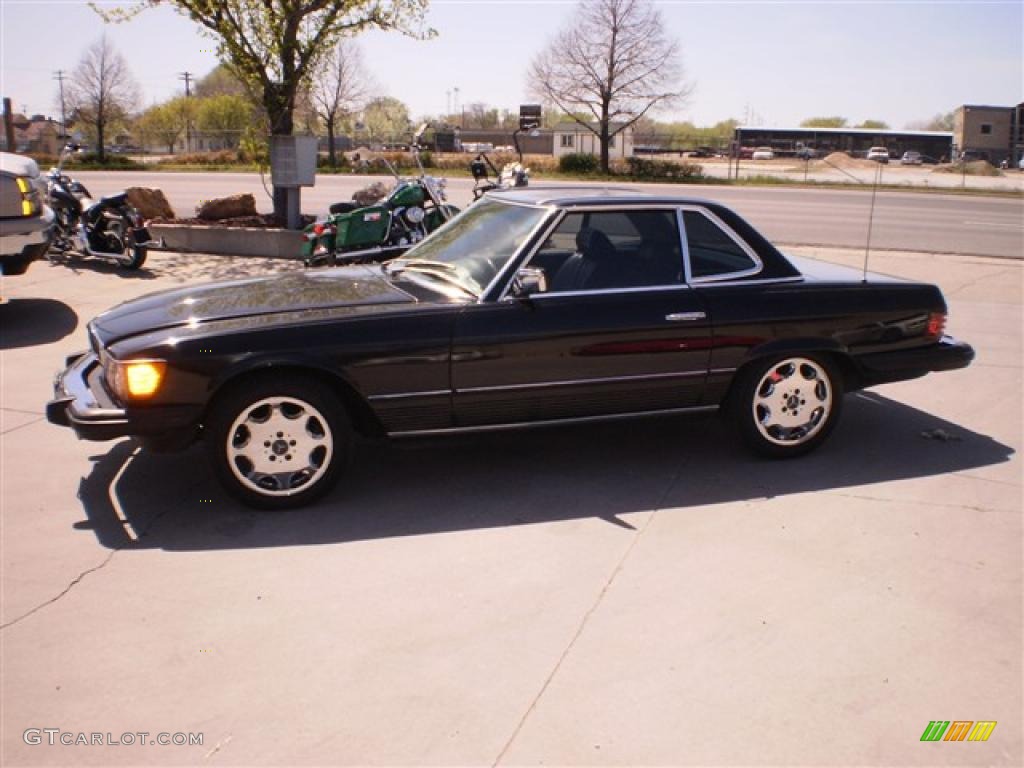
<point x="620" y="594"/>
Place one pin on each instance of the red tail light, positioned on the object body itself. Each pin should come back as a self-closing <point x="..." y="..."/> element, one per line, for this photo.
<point x="936" y="325"/>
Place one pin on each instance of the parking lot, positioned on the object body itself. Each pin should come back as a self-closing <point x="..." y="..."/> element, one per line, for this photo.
<point x="617" y="594"/>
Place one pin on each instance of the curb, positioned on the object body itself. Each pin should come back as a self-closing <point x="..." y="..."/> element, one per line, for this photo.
<point x="230" y="241"/>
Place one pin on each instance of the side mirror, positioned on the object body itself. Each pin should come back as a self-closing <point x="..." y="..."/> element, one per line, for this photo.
<point x="528" y="281"/>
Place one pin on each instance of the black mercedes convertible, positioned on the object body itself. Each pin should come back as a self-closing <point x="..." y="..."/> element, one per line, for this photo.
<point x="531" y="307"/>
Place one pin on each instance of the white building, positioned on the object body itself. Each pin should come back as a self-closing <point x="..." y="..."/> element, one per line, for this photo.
<point x="570" y="138"/>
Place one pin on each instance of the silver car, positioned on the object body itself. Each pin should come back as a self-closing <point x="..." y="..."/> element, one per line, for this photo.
<point x="26" y="222"/>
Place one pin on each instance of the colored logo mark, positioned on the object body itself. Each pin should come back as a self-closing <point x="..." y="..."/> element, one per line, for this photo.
<point x="958" y="730"/>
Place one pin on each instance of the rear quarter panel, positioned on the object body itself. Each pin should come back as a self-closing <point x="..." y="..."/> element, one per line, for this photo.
<point x="851" y="319"/>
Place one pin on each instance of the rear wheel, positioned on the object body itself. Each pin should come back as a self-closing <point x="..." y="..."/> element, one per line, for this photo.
<point x="278" y="441"/>
<point x="787" y="406"/>
<point x="134" y="256"/>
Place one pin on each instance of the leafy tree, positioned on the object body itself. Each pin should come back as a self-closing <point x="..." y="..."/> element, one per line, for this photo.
<point x="878" y="125"/>
<point x="274" y="45"/>
<point x="224" y="117"/>
<point x="824" y="122"/>
<point x="102" y="90"/>
<point x="218" y="82"/>
<point x="338" y="87"/>
<point x="938" y="122"/>
<point x="387" y="119"/>
<point x="166" y="122"/>
<point x="614" y="63"/>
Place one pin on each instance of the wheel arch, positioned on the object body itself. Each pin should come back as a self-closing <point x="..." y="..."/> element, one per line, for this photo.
<point x="830" y="348"/>
<point x="362" y="416"/>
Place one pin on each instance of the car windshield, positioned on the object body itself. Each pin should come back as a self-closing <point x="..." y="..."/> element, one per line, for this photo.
<point x="471" y="248"/>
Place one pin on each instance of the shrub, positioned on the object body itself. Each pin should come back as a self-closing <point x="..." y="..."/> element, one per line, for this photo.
<point x="646" y="168"/>
<point x="577" y="163"/>
<point x="218" y="157"/>
<point x="118" y="162"/>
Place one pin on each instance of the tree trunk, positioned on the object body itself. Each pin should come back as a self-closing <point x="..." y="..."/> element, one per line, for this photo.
<point x="99" y="140"/>
<point x="280" y="113"/>
<point x="330" y="144"/>
<point x="604" y="145"/>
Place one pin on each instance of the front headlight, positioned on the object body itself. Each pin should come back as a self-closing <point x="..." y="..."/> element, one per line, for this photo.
<point x="134" y="379"/>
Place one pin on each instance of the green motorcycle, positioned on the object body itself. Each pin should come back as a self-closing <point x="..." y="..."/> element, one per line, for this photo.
<point x="355" y="234"/>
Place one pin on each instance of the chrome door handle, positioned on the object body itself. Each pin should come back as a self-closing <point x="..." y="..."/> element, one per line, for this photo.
<point x="682" y="317"/>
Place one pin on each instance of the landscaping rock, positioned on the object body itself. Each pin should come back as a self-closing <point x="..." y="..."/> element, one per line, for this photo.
<point x="227" y="207"/>
<point x="149" y="202"/>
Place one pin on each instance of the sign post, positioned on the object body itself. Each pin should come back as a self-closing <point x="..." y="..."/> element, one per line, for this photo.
<point x="293" y="166"/>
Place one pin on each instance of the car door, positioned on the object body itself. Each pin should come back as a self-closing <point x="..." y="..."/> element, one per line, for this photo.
<point x="617" y="331"/>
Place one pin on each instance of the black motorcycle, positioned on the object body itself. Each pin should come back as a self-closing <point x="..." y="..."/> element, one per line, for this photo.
<point x="108" y="228"/>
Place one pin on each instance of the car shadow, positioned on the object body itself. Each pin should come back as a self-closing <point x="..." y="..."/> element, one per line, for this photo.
<point x="27" y="322"/>
<point x="134" y="499"/>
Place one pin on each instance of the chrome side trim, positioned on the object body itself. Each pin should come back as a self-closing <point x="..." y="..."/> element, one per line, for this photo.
<point x="763" y="281"/>
<point x="401" y="395"/>
<point x="609" y="291"/>
<point x="685" y="317"/>
<point x="723" y="370"/>
<point x="553" y="422"/>
<point x="570" y="382"/>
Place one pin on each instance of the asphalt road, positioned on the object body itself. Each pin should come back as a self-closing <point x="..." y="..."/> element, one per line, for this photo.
<point x="607" y="595"/>
<point x="936" y="223"/>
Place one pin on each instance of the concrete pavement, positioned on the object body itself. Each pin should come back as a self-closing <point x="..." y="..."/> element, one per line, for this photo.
<point x="617" y="594"/>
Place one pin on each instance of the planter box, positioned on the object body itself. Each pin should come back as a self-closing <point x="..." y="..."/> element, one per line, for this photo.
<point x="230" y="241"/>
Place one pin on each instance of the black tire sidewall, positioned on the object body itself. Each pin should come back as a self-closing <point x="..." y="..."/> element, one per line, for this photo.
<point x="235" y="399"/>
<point x="743" y="416"/>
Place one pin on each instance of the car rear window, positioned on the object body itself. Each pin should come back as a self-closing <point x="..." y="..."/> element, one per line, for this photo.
<point x="712" y="252"/>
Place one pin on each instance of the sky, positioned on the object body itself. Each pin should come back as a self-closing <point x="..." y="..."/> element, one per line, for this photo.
<point x="766" y="62"/>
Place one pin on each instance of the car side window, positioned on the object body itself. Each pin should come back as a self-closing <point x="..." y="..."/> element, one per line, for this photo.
<point x="712" y="252"/>
<point x="607" y="250"/>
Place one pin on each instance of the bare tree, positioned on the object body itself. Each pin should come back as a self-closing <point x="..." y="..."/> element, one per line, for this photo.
<point x="339" y="86"/>
<point x="614" y="63"/>
<point x="103" y="91"/>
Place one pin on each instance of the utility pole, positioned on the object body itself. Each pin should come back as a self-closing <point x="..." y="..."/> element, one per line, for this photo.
<point x="187" y="77"/>
<point x="59" y="77"/>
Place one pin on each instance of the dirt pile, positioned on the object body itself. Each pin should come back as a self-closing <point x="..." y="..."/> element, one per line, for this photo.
<point x="844" y="161"/>
<point x="973" y="168"/>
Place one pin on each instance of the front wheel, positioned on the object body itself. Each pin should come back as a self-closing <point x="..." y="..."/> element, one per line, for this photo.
<point x="787" y="406"/>
<point x="278" y="441"/>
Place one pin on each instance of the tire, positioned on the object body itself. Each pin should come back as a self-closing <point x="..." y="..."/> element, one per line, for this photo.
<point x="278" y="420"/>
<point x="787" y="406"/>
<point x="136" y="258"/>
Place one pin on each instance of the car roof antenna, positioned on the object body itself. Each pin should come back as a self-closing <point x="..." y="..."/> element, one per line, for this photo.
<point x="871" y="220"/>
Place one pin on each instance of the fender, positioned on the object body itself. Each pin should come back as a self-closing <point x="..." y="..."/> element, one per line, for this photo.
<point x="364" y="418"/>
<point x="62" y="198"/>
<point x="794" y="345"/>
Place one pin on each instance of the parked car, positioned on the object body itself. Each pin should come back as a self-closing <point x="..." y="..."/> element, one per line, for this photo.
<point x="806" y="153"/>
<point x="531" y="307"/>
<point x="26" y="222"/>
<point x="878" y="154"/>
<point x="763" y="153"/>
<point x="910" y="157"/>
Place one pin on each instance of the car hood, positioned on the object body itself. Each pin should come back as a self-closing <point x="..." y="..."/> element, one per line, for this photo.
<point x="293" y="292"/>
